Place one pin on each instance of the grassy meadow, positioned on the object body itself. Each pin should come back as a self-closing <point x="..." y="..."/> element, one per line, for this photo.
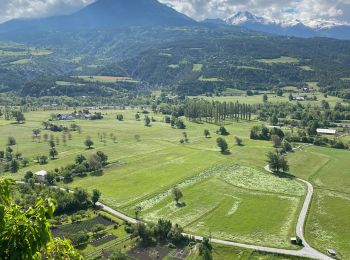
<point x="328" y="224"/>
<point x="230" y="196"/>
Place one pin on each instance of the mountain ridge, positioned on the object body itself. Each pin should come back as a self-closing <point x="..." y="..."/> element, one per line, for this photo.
<point x="104" y="14"/>
<point x="289" y="27"/>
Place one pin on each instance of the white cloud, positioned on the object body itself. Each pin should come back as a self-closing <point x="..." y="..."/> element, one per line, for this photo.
<point x="10" y="9"/>
<point x="198" y="9"/>
<point x="298" y="9"/>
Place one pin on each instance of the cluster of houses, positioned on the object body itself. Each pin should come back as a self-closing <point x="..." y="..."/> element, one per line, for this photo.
<point x="72" y="116"/>
<point x="298" y="97"/>
<point x="85" y="115"/>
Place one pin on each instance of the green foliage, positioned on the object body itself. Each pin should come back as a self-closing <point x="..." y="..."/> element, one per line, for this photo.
<point x="88" y="143"/>
<point x="96" y="194"/>
<point x="177" y="194"/>
<point x="222" y="131"/>
<point x="147" y="121"/>
<point x="19" y="116"/>
<point x="11" y="141"/>
<point x="277" y="162"/>
<point x="221" y="142"/>
<point x="205" y="249"/>
<point x="25" y="234"/>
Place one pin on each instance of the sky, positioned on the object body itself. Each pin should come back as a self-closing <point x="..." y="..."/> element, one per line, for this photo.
<point x="197" y="9"/>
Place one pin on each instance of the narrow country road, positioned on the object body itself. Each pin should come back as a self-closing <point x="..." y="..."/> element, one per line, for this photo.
<point x="306" y="251"/>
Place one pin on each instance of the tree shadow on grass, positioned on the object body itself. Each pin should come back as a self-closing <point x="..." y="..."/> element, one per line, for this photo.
<point x="226" y="153"/>
<point x="284" y="175"/>
<point x="181" y="204"/>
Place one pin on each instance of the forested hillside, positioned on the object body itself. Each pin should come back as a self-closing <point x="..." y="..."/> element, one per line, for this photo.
<point x="189" y="60"/>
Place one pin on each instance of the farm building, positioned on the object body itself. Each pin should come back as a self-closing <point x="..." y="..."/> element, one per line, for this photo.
<point x="326" y="131"/>
<point x="40" y="175"/>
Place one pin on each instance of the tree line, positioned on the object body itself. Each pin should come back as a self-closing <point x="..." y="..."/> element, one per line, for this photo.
<point x="216" y="112"/>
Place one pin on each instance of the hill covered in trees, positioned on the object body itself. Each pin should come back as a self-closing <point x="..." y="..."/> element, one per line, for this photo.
<point x="188" y="60"/>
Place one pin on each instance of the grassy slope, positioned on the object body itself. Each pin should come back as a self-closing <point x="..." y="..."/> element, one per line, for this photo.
<point x="328" y="225"/>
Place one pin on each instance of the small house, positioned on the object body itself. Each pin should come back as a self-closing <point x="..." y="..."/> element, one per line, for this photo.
<point x="40" y="175"/>
<point x="326" y="131"/>
<point x="293" y="240"/>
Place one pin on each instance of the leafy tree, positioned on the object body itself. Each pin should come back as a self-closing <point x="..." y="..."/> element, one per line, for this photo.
<point x="96" y="194"/>
<point x="52" y="144"/>
<point x="18" y="115"/>
<point x="205" y="249"/>
<point x="103" y="157"/>
<point x="25" y="162"/>
<point x="177" y="194"/>
<point x="175" y="234"/>
<point x="29" y="230"/>
<point x="287" y="147"/>
<point x="143" y="232"/>
<point x="290" y="97"/>
<point x="50" y="178"/>
<point x="265" y="98"/>
<point x="312" y="127"/>
<point x="222" y="131"/>
<point x="46" y="125"/>
<point x="119" y="255"/>
<point x="82" y="197"/>
<point x="42" y="159"/>
<point x="14" y="166"/>
<point x="276" y="140"/>
<point x="279" y="92"/>
<point x="147" y="121"/>
<point x="36" y="132"/>
<point x="88" y="143"/>
<point x="11" y="141"/>
<point x="120" y="117"/>
<point x="206" y="133"/>
<point x="180" y="124"/>
<point x="95" y="163"/>
<point x="238" y="141"/>
<point x="137" y="210"/>
<point x="162" y="229"/>
<point x="221" y="142"/>
<point x="53" y="153"/>
<point x="274" y="120"/>
<point x="28" y="175"/>
<point x="79" y="159"/>
<point x="277" y="162"/>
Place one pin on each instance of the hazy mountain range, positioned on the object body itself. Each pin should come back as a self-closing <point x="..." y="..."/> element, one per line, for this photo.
<point x="292" y="27"/>
<point x="104" y="14"/>
<point x="110" y="14"/>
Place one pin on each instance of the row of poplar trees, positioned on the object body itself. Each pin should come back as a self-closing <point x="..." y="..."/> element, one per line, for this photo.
<point x="215" y="112"/>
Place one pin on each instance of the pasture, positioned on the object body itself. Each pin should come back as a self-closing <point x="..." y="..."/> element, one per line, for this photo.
<point x="282" y="59"/>
<point x="328" y="222"/>
<point x="256" y="99"/>
<point x="107" y="79"/>
<point x="228" y="195"/>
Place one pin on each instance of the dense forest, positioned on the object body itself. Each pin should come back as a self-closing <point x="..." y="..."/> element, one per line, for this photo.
<point x="185" y="60"/>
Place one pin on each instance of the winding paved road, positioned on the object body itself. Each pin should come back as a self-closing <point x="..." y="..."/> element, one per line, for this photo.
<point x="306" y="251"/>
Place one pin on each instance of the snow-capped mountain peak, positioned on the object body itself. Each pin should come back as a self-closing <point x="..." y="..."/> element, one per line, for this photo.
<point x="242" y="18"/>
<point x="246" y="17"/>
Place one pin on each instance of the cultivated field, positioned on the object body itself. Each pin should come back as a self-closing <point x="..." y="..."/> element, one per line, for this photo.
<point x="107" y="79"/>
<point x="328" y="225"/>
<point x="228" y="196"/>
